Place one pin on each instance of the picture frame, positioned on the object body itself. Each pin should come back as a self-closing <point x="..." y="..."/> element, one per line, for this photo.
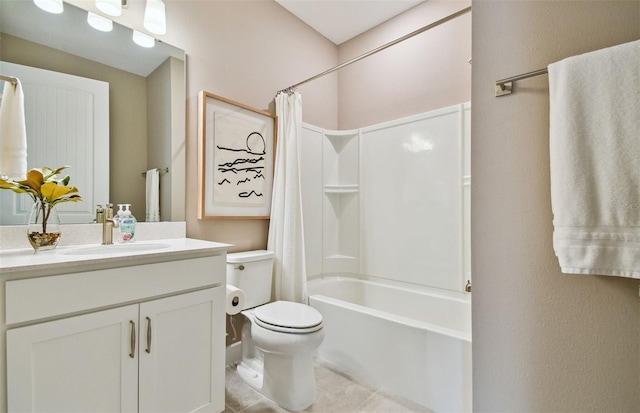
<point x="236" y="159"/>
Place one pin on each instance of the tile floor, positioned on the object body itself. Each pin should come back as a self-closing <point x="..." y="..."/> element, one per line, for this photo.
<point x="336" y="393"/>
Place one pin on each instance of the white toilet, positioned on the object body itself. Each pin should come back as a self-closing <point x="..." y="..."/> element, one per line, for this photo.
<point x="278" y="338"/>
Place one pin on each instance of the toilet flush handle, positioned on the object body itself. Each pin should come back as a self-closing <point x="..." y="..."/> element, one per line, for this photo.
<point x="239" y="267"/>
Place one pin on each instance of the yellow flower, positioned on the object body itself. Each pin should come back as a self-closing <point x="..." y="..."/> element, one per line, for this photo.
<point x="46" y="190"/>
<point x="42" y="184"/>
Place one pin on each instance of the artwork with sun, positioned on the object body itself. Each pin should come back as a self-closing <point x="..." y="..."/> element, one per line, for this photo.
<point x="239" y="161"/>
<point x="236" y="159"/>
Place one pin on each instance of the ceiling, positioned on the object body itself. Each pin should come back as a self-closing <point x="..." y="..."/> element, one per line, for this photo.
<point x="337" y="20"/>
<point x="342" y="20"/>
<point x="69" y="33"/>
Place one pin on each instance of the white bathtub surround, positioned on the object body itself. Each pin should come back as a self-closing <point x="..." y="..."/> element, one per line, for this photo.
<point x="412" y="341"/>
<point x="14" y="236"/>
<point x="391" y="200"/>
<point x="286" y="232"/>
<point x="594" y="146"/>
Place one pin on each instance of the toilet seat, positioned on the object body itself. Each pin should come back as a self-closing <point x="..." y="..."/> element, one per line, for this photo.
<point x="288" y="317"/>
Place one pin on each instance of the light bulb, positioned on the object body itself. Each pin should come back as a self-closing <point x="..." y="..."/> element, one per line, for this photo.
<point x="52" y="6"/>
<point x="155" y="19"/>
<point x="110" y="7"/>
<point x="143" y="40"/>
<point x="99" y="23"/>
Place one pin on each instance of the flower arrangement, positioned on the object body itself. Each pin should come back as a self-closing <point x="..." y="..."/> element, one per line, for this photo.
<point x="47" y="191"/>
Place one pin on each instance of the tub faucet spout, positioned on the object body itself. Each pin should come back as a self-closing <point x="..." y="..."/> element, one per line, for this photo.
<point x="108" y="225"/>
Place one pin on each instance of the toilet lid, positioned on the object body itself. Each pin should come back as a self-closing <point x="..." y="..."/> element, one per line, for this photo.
<point x="289" y="317"/>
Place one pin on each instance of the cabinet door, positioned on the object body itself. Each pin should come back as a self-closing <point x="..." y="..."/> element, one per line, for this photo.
<point x="182" y="353"/>
<point x="78" y="364"/>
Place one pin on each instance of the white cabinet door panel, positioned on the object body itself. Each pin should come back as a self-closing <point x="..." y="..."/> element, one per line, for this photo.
<point x="78" y="364"/>
<point x="181" y="368"/>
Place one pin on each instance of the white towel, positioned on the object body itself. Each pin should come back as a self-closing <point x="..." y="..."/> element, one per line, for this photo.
<point x="153" y="195"/>
<point x="594" y="143"/>
<point x="13" y="133"/>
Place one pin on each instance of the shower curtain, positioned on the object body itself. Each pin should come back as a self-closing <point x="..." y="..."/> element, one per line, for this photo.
<point x="286" y="233"/>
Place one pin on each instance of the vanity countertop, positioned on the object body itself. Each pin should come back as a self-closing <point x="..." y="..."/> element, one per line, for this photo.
<point x="16" y="263"/>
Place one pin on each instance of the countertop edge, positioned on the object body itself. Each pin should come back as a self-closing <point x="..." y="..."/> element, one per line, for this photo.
<point x="26" y="262"/>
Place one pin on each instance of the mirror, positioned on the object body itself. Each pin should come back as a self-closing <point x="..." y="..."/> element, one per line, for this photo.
<point x="146" y="95"/>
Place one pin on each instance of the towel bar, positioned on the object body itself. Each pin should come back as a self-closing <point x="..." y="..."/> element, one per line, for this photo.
<point x="10" y="79"/>
<point x="162" y="171"/>
<point x="505" y="86"/>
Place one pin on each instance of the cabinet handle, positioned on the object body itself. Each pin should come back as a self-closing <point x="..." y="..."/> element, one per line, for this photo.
<point x="133" y="339"/>
<point x="148" y="349"/>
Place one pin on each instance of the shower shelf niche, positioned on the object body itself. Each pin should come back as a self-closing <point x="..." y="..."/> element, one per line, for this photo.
<point x="341" y="189"/>
<point x="339" y="139"/>
<point x="331" y="199"/>
<point x="341" y="203"/>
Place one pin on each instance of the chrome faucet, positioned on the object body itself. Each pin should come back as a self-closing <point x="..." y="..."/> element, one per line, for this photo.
<point x="108" y="225"/>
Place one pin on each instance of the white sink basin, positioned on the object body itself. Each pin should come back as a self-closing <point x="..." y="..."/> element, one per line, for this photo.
<point x="115" y="249"/>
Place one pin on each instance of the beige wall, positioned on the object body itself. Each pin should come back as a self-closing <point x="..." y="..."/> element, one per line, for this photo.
<point x="159" y="126"/>
<point x="542" y="341"/>
<point x="429" y="71"/>
<point x="176" y="178"/>
<point x="245" y="51"/>
<point x="166" y="126"/>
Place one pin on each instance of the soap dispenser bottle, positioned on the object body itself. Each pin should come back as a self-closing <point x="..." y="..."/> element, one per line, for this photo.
<point x="127" y="224"/>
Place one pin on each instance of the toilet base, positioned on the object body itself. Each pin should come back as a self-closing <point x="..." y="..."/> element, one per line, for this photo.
<point x="250" y="376"/>
<point x="287" y="380"/>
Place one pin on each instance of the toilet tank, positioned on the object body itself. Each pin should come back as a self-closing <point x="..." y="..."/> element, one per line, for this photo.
<point x="251" y="271"/>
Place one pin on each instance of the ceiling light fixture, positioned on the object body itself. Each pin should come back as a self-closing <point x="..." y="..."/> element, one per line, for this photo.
<point x="110" y="7"/>
<point x="99" y="23"/>
<point x="143" y="40"/>
<point x="52" y="6"/>
<point x="155" y="19"/>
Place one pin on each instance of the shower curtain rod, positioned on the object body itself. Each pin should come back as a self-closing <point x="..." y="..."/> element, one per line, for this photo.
<point x="290" y="89"/>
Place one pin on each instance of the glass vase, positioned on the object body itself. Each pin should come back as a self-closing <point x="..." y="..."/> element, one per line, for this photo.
<point x="43" y="229"/>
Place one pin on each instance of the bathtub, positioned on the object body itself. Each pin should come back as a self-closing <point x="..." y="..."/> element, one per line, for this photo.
<point x="411" y="341"/>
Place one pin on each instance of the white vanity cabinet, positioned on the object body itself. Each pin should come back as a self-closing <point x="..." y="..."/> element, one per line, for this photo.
<point x="136" y="338"/>
<point x="98" y="362"/>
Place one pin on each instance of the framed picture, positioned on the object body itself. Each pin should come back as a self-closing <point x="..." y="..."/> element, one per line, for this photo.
<point x="236" y="156"/>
